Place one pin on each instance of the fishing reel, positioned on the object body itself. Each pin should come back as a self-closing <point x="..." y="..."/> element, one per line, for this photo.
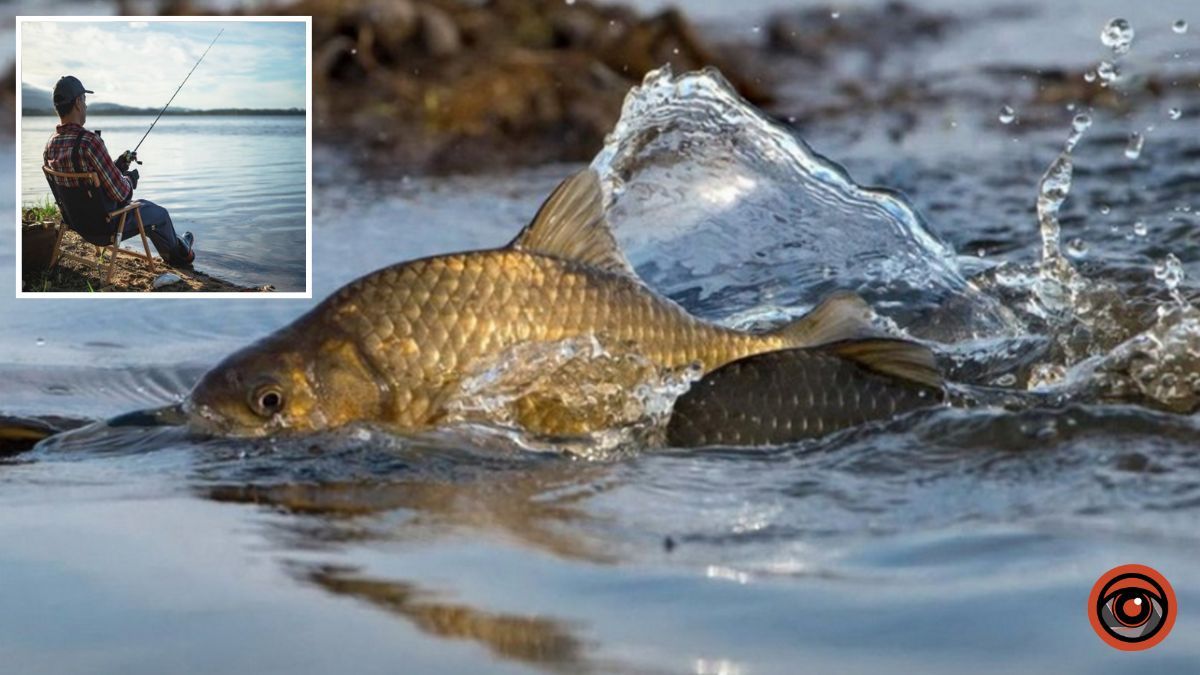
<point x="128" y="157"/>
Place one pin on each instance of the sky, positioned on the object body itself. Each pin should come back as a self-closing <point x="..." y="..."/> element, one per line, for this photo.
<point x="140" y="63"/>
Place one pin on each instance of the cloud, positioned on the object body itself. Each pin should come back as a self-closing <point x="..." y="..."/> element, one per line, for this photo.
<point x="253" y="64"/>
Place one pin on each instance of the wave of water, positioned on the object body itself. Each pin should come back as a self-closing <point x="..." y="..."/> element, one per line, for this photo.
<point x="735" y="216"/>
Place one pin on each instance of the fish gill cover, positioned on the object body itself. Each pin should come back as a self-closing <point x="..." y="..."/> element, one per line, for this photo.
<point x="732" y="214"/>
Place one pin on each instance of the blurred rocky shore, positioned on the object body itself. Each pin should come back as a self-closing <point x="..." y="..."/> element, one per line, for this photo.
<point x="468" y="85"/>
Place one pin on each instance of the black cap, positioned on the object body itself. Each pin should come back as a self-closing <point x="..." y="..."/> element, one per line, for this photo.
<point x="68" y="89"/>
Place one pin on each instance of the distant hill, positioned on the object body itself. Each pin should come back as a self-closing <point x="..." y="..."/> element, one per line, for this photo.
<point x="37" y="101"/>
<point x="33" y="98"/>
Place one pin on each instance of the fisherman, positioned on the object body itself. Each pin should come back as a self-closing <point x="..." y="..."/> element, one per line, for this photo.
<point x="75" y="149"/>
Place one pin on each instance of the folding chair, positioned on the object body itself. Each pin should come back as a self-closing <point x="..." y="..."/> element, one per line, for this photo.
<point x="83" y="211"/>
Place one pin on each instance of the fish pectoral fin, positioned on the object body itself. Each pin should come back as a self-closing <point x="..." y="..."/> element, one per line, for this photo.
<point x="571" y="225"/>
<point x="841" y="316"/>
<point x="898" y="358"/>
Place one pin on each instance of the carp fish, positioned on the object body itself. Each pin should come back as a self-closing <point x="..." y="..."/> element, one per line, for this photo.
<point x="795" y="394"/>
<point x="393" y="347"/>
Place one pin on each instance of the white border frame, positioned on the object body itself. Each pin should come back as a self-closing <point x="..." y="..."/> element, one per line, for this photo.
<point x="308" y="189"/>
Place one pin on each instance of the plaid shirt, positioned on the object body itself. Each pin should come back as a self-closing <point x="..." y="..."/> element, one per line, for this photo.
<point x="93" y="155"/>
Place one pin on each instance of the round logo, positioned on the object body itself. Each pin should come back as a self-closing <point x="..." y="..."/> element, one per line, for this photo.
<point x="1132" y="607"/>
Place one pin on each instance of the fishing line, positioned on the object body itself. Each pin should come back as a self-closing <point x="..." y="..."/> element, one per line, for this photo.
<point x="185" y="79"/>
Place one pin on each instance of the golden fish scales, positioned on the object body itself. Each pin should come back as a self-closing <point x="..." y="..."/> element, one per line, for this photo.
<point x="394" y="347"/>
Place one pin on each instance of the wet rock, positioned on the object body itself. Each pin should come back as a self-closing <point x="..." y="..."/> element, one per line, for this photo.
<point x="439" y="34"/>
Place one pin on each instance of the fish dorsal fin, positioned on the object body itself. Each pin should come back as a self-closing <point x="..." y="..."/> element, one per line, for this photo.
<point x="843" y="315"/>
<point x="571" y="225"/>
<point x="898" y="358"/>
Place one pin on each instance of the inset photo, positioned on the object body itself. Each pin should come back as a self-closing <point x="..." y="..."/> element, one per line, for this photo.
<point x="164" y="156"/>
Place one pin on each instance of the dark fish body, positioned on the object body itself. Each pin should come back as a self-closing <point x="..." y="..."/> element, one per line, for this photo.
<point x="794" y="394"/>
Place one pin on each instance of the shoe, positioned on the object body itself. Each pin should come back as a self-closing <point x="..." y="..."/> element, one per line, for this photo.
<point x="188" y="240"/>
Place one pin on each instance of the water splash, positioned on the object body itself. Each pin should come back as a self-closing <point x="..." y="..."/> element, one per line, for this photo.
<point x="604" y="396"/>
<point x="1170" y="272"/>
<point x="1053" y="189"/>
<point x="1158" y="367"/>
<point x="730" y="212"/>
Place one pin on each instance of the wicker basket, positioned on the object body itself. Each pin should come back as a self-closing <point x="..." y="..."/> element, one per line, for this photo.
<point x="37" y="244"/>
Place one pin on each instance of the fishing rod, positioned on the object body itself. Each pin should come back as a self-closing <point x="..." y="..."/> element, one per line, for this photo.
<point x="131" y="155"/>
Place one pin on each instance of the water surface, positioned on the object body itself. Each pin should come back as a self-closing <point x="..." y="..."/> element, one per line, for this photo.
<point x="236" y="182"/>
<point x="945" y="541"/>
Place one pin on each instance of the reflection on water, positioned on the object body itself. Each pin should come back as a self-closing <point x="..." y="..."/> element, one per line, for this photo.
<point x="238" y="183"/>
<point x="531" y="639"/>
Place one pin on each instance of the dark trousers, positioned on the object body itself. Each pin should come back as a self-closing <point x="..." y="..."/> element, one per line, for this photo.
<point x="160" y="230"/>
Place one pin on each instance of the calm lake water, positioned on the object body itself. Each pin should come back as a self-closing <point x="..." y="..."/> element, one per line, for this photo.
<point x="961" y="540"/>
<point x="237" y="182"/>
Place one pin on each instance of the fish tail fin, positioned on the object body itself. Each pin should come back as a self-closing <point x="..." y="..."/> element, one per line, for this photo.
<point x="841" y="316"/>
<point x="888" y="356"/>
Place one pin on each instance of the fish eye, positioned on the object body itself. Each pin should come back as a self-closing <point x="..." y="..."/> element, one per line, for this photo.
<point x="266" y="400"/>
<point x="1132" y="609"/>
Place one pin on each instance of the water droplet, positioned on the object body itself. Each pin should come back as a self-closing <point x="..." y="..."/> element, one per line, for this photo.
<point x="1133" y="149"/>
<point x="1089" y="76"/>
<point x="835" y="15"/>
<point x="1079" y="124"/>
<point x="1179" y="26"/>
<point x="1175" y="113"/>
<point x="1139" y="228"/>
<point x="570" y="2"/>
<point x="354" y="50"/>
<point x="675" y="50"/>
<point x="41" y="342"/>
<point x="1107" y="72"/>
<point x="1070" y="107"/>
<point x="982" y="252"/>
<point x="756" y="29"/>
<point x="1117" y="36"/>
<point x="1077" y="248"/>
<point x="1105" y="209"/>
<point x="1007" y="115"/>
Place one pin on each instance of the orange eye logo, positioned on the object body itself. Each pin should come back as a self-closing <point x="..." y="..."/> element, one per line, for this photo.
<point x="1132" y="607"/>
